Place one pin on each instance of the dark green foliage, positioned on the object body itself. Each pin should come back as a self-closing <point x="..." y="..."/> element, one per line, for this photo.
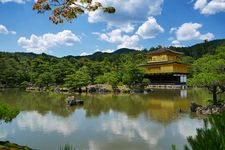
<point x="187" y="59"/>
<point x="112" y="78"/>
<point x="78" y="80"/>
<point x="18" y="70"/>
<point x="211" y="136"/>
<point x="119" y="67"/>
<point x="7" y="113"/>
<point x="198" y="50"/>
<point x="209" y="72"/>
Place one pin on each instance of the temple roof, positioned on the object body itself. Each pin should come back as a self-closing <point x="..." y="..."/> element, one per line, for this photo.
<point x="163" y="50"/>
<point x="160" y="63"/>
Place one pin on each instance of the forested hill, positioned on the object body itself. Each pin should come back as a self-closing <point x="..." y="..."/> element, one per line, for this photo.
<point x="120" y="67"/>
<point x="196" y="51"/>
<point x="98" y="56"/>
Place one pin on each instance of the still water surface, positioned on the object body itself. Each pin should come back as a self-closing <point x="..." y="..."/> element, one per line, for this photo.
<point x="104" y="122"/>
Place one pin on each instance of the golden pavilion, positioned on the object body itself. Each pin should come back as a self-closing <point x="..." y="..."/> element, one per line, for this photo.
<point x="164" y="67"/>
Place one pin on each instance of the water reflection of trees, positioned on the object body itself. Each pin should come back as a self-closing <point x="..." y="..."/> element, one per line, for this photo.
<point x="98" y="104"/>
<point x="40" y="102"/>
<point x="158" y="105"/>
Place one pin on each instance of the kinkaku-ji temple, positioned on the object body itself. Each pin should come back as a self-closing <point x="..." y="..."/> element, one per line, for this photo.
<point x="164" y="68"/>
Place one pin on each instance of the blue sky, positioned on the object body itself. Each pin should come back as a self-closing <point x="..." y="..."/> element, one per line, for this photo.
<point x="137" y="24"/>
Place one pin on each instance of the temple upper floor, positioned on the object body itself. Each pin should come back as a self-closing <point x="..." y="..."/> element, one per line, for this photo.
<point x="162" y="55"/>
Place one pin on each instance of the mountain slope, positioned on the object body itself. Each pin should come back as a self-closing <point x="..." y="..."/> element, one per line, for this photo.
<point x="196" y="51"/>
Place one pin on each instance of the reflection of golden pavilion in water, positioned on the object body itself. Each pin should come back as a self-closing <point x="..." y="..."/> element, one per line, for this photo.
<point x="166" y="110"/>
<point x="164" y="68"/>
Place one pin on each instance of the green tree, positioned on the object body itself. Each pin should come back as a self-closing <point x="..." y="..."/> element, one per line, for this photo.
<point x="211" y="136"/>
<point x="68" y="9"/>
<point x="145" y="82"/>
<point x="187" y="60"/>
<point x="61" y="69"/>
<point x="94" y="69"/>
<point x="132" y="75"/>
<point x="78" y="80"/>
<point x="209" y="72"/>
<point x="109" y="78"/>
<point x="7" y="113"/>
<point x="45" y="79"/>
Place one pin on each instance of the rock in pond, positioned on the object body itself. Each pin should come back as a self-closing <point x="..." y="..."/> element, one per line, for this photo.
<point x="71" y="101"/>
<point x="194" y="107"/>
<point x="207" y="110"/>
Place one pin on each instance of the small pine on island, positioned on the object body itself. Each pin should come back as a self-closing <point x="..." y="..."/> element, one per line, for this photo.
<point x="165" y="70"/>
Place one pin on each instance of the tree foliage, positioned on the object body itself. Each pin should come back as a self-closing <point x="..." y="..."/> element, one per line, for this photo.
<point x="69" y="9"/>
<point x="211" y="136"/>
<point x="198" y="50"/>
<point x="45" y="70"/>
<point x="209" y="72"/>
<point x="111" y="78"/>
<point x="7" y="113"/>
<point x="78" y="80"/>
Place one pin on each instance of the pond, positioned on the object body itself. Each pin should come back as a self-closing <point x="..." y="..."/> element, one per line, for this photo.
<point x="104" y="122"/>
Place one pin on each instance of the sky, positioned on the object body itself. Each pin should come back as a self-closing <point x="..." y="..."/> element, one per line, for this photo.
<point x="137" y="24"/>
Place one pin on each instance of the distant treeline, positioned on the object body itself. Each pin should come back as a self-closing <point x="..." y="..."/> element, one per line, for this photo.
<point x="118" y="68"/>
<point x="26" y="69"/>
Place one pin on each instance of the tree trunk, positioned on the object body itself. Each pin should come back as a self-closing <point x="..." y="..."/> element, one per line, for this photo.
<point x="80" y="90"/>
<point x="214" y="92"/>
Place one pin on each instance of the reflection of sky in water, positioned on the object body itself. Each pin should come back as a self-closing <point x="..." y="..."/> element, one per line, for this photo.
<point x="111" y="130"/>
<point x="3" y="134"/>
<point x="48" y="123"/>
<point x="120" y="124"/>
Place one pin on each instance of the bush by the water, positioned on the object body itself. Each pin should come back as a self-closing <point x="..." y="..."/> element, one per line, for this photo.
<point x="7" y="113"/>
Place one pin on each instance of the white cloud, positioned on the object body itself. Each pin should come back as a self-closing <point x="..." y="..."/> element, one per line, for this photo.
<point x="127" y="12"/>
<point x="189" y="31"/>
<point x="172" y="30"/>
<point x="112" y="37"/>
<point x="176" y="43"/>
<point x="210" y="7"/>
<point x="105" y="51"/>
<point x="40" y="44"/>
<point x="129" y="15"/>
<point x="4" y="30"/>
<point x="207" y="36"/>
<point x="15" y="1"/>
<point x="150" y="29"/>
<point x="85" y="54"/>
<point x="97" y="50"/>
<point x="128" y="28"/>
<point x="130" y="42"/>
<point x="123" y="41"/>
